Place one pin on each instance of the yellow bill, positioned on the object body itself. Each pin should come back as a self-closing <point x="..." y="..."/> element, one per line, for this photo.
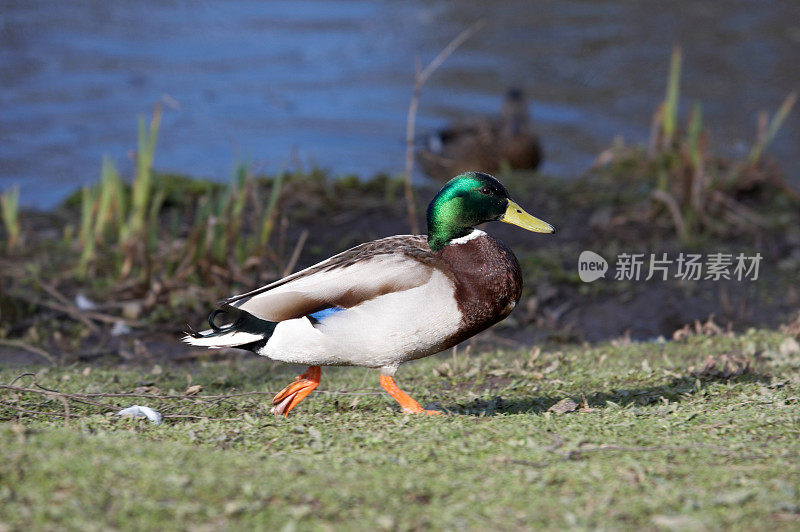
<point x="516" y="215"/>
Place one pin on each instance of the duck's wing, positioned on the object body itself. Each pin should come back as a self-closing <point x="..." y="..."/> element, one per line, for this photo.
<point x="359" y="274"/>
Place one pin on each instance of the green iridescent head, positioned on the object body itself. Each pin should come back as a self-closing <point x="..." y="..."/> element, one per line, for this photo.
<point x="471" y="199"/>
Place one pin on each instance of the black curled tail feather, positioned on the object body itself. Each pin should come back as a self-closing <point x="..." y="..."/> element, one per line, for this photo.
<point x="213" y="316"/>
<point x="240" y="321"/>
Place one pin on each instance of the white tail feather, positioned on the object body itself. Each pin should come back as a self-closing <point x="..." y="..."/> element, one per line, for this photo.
<point x="231" y="339"/>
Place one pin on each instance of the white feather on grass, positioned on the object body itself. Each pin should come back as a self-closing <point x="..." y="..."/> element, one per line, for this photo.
<point x="141" y="411"/>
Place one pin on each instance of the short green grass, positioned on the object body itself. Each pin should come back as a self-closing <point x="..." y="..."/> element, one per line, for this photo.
<point x="653" y="444"/>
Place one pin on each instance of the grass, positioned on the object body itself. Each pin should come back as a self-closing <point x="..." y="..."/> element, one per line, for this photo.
<point x="657" y="438"/>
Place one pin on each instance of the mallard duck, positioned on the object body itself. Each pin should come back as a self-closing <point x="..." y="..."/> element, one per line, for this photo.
<point x="484" y="143"/>
<point x="388" y="301"/>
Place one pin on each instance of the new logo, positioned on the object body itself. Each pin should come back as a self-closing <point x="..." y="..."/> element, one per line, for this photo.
<point x="591" y="266"/>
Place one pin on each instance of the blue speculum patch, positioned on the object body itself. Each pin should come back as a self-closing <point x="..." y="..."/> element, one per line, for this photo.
<point x="324" y="313"/>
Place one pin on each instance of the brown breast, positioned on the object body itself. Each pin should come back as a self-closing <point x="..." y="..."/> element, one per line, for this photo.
<point x="488" y="283"/>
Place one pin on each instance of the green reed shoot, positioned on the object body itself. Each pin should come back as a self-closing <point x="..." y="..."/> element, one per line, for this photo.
<point x="155" y="209"/>
<point x="670" y="118"/>
<point x="142" y="184"/>
<point x="268" y="220"/>
<point x="110" y="207"/>
<point x="9" y="204"/>
<point x="695" y="128"/>
<point x="85" y="236"/>
<point x="217" y="233"/>
<point x="774" y="126"/>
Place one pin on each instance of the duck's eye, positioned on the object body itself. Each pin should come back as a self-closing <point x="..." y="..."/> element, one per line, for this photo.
<point x="485" y="190"/>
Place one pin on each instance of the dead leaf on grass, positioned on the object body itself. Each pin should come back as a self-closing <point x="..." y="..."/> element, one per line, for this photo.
<point x="564" y="406"/>
<point x="193" y="389"/>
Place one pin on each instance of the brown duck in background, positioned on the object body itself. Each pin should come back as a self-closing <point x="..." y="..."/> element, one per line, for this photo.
<point x="484" y="144"/>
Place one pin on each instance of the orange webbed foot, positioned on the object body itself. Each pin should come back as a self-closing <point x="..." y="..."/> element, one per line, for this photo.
<point x="290" y="396"/>
<point x="408" y="405"/>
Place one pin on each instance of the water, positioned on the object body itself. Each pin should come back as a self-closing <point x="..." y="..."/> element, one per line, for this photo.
<point x="328" y="83"/>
